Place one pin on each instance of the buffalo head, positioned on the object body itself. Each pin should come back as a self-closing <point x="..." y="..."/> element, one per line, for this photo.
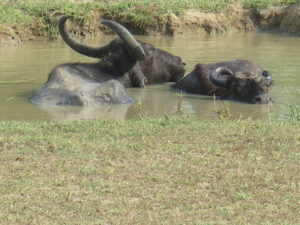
<point x="119" y="56"/>
<point x="144" y="63"/>
<point x="240" y="80"/>
<point x="243" y="85"/>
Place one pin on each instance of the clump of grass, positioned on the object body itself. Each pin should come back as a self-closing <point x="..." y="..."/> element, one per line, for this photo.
<point x="140" y="107"/>
<point x="51" y="30"/>
<point x="294" y="112"/>
<point x="266" y="3"/>
<point x="222" y="113"/>
<point x="179" y="108"/>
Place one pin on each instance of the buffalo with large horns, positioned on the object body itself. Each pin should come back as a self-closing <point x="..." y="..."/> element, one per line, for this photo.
<point x="239" y="80"/>
<point x="126" y="61"/>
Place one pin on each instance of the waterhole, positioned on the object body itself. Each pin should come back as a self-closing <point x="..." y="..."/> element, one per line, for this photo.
<point x="23" y="71"/>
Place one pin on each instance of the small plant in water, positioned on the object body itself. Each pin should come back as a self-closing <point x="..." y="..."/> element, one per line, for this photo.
<point x="140" y="105"/>
<point x="179" y="110"/>
<point x="221" y="113"/>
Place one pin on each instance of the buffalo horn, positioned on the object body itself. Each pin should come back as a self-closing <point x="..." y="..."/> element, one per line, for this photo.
<point x="134" y="48"/>
<point x="90" y="51"/>
<point x="217" y="79"/>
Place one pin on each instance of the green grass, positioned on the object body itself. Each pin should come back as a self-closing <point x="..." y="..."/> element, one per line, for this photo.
<point x="163" y="171"/>
<point x="294" y="113"/>
<point x="149" y="13"/>
<point x="266" y="3"/>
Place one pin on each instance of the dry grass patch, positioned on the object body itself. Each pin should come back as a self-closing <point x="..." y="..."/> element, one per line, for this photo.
<point x="149" y="172"/>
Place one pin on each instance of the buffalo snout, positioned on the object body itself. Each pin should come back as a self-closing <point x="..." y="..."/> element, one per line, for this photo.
<point x="262" y="99"/>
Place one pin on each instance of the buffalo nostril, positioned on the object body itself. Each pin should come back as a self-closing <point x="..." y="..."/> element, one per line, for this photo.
<point x="257" y="99"/>
<point x="183" y="63"/>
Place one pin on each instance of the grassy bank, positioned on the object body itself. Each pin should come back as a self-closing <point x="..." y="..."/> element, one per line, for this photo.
<point x="150" y="172"/>
<point x="34" y="14"/>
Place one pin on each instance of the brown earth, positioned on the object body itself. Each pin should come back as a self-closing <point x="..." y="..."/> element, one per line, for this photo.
<point x="280" y="19"/>
<point x="234" y="19"/>
<point x="9" y="36"/>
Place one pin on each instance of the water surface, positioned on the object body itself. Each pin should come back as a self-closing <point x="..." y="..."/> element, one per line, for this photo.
<point x="23" y="71"/>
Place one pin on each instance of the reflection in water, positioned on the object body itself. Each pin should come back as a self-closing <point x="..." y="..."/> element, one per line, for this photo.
<point x="94" y="112"/>
<point x="23" y="71"/>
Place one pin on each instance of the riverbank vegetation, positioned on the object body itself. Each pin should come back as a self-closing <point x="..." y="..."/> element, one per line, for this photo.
<point x="34" y="14"/>
<point x="145" y="171"/>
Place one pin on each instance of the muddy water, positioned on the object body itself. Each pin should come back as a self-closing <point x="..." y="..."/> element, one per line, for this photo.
<point x="23" y="70"/>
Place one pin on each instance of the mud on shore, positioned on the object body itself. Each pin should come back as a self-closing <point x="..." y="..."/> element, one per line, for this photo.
<point x="234" y="19"/>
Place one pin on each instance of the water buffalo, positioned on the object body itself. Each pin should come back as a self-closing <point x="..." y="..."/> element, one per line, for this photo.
<point x="239" y="80"/>
<point x="130" y="63"/>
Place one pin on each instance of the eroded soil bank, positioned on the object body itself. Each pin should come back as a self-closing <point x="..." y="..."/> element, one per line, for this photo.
<point x="234" y="19"/>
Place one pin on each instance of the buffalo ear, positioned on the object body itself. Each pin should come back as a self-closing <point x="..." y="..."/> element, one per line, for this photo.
<point x="217" y="76"/>
<point x="267" y="75"/>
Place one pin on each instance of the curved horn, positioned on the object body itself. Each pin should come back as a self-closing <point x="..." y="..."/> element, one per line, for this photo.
<point x="134" y="48"/>
<point x="90" y="51"/>
<point x="222" y="82"/>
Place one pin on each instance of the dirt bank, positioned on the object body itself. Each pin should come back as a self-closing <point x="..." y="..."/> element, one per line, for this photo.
<point x="281" y="19"/>
<point x="234" y="19"/>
